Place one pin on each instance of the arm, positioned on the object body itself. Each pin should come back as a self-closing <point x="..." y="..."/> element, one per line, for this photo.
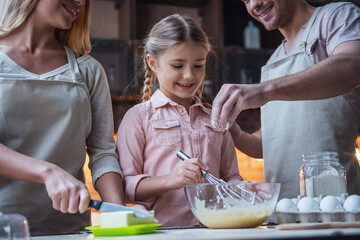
<point x="110" y="188"/>
<point x="101" y="148"/>
<point x="248" y="143"/>
<point x="323" y="80"/>
<point x="229" y="169"/>
<point x="140" y="186"/>
<point x="68" y="194"/>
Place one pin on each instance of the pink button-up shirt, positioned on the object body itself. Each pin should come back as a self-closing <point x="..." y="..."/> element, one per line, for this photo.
<point x="146" y="138"/>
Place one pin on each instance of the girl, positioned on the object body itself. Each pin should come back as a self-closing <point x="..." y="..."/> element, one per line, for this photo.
<point x="55" y="106"/>
<point x="173" y="118"/>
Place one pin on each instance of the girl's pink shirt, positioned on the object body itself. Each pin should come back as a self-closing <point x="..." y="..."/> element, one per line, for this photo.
<point x="146" y="138"/>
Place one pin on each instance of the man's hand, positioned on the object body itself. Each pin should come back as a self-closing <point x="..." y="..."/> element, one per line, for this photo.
<point x="232" y="99"/>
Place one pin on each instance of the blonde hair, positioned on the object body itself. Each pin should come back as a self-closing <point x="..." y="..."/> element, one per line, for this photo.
<point x="168" y="32"/>
<point x="14" y="12"/>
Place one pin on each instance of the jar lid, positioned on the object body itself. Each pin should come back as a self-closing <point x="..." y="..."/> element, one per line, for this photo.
<point x="325" y="155"/>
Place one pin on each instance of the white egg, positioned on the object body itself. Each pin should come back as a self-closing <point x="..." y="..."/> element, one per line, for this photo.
<point x="286" y="205"/>
<point x="308" y="204"/>
<point x="352" y="203"/>
<point x="295" y="200"/>
<point x="342" y="198"/>
<point x="330" y="204"/>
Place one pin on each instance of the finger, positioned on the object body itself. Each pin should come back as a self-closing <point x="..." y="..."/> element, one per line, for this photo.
<point x="56" y="201"/>
<point x="205" y="167"/>
<point x="227" y="108"/>
<point x="84" y="200"/>
<point x="234" y="114"/>
<point x="264" y="195"/>
<point x="217" y="105"/>
<point x="192" y="170"/>
<point x="74" y="202"/>
<point x="264" y="187"/>
<point x="64" y="202"/>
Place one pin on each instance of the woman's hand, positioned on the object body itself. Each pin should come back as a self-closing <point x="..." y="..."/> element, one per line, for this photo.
<point x="187" y="172"/>
<point x="68" y="194"/>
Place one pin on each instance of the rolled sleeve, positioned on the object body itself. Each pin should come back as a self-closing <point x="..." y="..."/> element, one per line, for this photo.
<point x="130" y="145"/>
<point x="105" y="165"/>
<point x="342" y="29"/>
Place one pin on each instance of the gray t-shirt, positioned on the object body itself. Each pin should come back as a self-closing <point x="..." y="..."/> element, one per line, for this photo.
<point x="335" y="24"/>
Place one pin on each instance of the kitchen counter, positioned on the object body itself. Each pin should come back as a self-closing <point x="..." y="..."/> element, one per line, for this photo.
<point x="261" y="233"/>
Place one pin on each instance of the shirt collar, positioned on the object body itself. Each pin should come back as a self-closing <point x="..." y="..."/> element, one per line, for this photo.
<point x="159" y="99"/>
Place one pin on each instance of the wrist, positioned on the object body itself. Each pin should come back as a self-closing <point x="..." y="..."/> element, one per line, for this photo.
<point x="46" y="170"/>
<point x="267" y="91"/>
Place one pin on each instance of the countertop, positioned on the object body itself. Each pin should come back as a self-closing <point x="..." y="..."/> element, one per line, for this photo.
<point x="260" y="233"/>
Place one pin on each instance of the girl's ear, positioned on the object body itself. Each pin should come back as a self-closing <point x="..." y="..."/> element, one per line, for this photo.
<point x="151" y="62"/>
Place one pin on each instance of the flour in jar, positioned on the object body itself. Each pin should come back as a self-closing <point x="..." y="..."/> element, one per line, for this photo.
<point x="243" y="215"/>
<point x="328" y="182"/>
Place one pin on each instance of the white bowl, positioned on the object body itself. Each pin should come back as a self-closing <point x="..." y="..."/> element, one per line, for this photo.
<point x="230" y="206"/>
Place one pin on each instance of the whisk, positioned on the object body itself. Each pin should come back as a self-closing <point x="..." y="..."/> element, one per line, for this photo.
<point x="221" y="187"/>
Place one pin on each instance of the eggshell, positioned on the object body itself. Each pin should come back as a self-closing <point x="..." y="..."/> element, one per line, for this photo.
<point x="286" y="205"/>
<point x="352" y="203"/>
<point x="295" y="200"/>
<point x="330" y="204"/>
<point x="308" y="204"/>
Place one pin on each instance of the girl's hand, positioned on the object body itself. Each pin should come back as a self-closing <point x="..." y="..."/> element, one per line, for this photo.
<point x="68" y="194"/>
<point x="187" y="172"/>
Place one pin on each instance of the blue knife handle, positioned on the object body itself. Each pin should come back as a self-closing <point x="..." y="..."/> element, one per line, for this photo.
<point x="95" y="204"/>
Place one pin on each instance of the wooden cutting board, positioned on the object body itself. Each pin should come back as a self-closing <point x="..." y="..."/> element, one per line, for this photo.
<point x="299" y="226"/>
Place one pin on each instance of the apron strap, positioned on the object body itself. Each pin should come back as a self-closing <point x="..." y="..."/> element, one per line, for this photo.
<point x="73" y="64"/>
<point x="308" y="27"/>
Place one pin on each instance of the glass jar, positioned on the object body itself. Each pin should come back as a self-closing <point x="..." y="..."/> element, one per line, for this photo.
<point x="322" y="173"/>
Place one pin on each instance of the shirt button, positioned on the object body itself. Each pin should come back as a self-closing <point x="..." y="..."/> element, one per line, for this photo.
<point x="197" y="156"/>
<point x="165" y="124"/>
<point x="182" y="110"/>
<point x="192" y="126"/>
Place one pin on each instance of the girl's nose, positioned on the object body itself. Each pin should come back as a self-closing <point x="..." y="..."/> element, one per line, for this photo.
<point x="188" y="74"/>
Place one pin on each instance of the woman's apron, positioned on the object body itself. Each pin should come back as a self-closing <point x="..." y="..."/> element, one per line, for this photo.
<point x="50" y="121"/>
<point x="293" y="128"/>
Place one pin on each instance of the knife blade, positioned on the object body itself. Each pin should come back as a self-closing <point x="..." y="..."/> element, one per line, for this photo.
<point x="110" y="207"/>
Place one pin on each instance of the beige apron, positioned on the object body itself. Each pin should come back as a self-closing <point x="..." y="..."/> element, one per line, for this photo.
<point x="292" y="128"/>
<point x="50" y="121"/>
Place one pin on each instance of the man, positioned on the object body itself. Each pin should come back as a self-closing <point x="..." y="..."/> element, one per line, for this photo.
<point x="319" y="58"/>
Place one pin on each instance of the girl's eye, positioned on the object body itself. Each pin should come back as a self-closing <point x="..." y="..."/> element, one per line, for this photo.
<point x="199" y="66"/>
<point x="176" y="66"/>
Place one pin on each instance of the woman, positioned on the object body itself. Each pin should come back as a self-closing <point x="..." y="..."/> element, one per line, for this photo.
<point x="55" y="107"/>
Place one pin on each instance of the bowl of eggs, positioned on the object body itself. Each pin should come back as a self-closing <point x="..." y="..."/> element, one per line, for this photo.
<point x="328" y="208"/>
<point x="232" y="205"/>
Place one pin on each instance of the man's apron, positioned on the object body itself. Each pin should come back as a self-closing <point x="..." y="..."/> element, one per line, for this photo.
<point x="293" y="128"/>
<point x="50" y="121"/>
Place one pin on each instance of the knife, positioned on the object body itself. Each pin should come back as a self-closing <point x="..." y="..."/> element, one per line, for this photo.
<point x="110" y="207"/>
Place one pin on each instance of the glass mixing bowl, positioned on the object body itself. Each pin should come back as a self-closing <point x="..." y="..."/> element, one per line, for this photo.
<point x="14" y="226"/>
<point x="232" y="205"/>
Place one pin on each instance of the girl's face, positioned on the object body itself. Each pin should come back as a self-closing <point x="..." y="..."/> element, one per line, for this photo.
<point x="180" y="71"/>
<point x="58" y="13"/>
